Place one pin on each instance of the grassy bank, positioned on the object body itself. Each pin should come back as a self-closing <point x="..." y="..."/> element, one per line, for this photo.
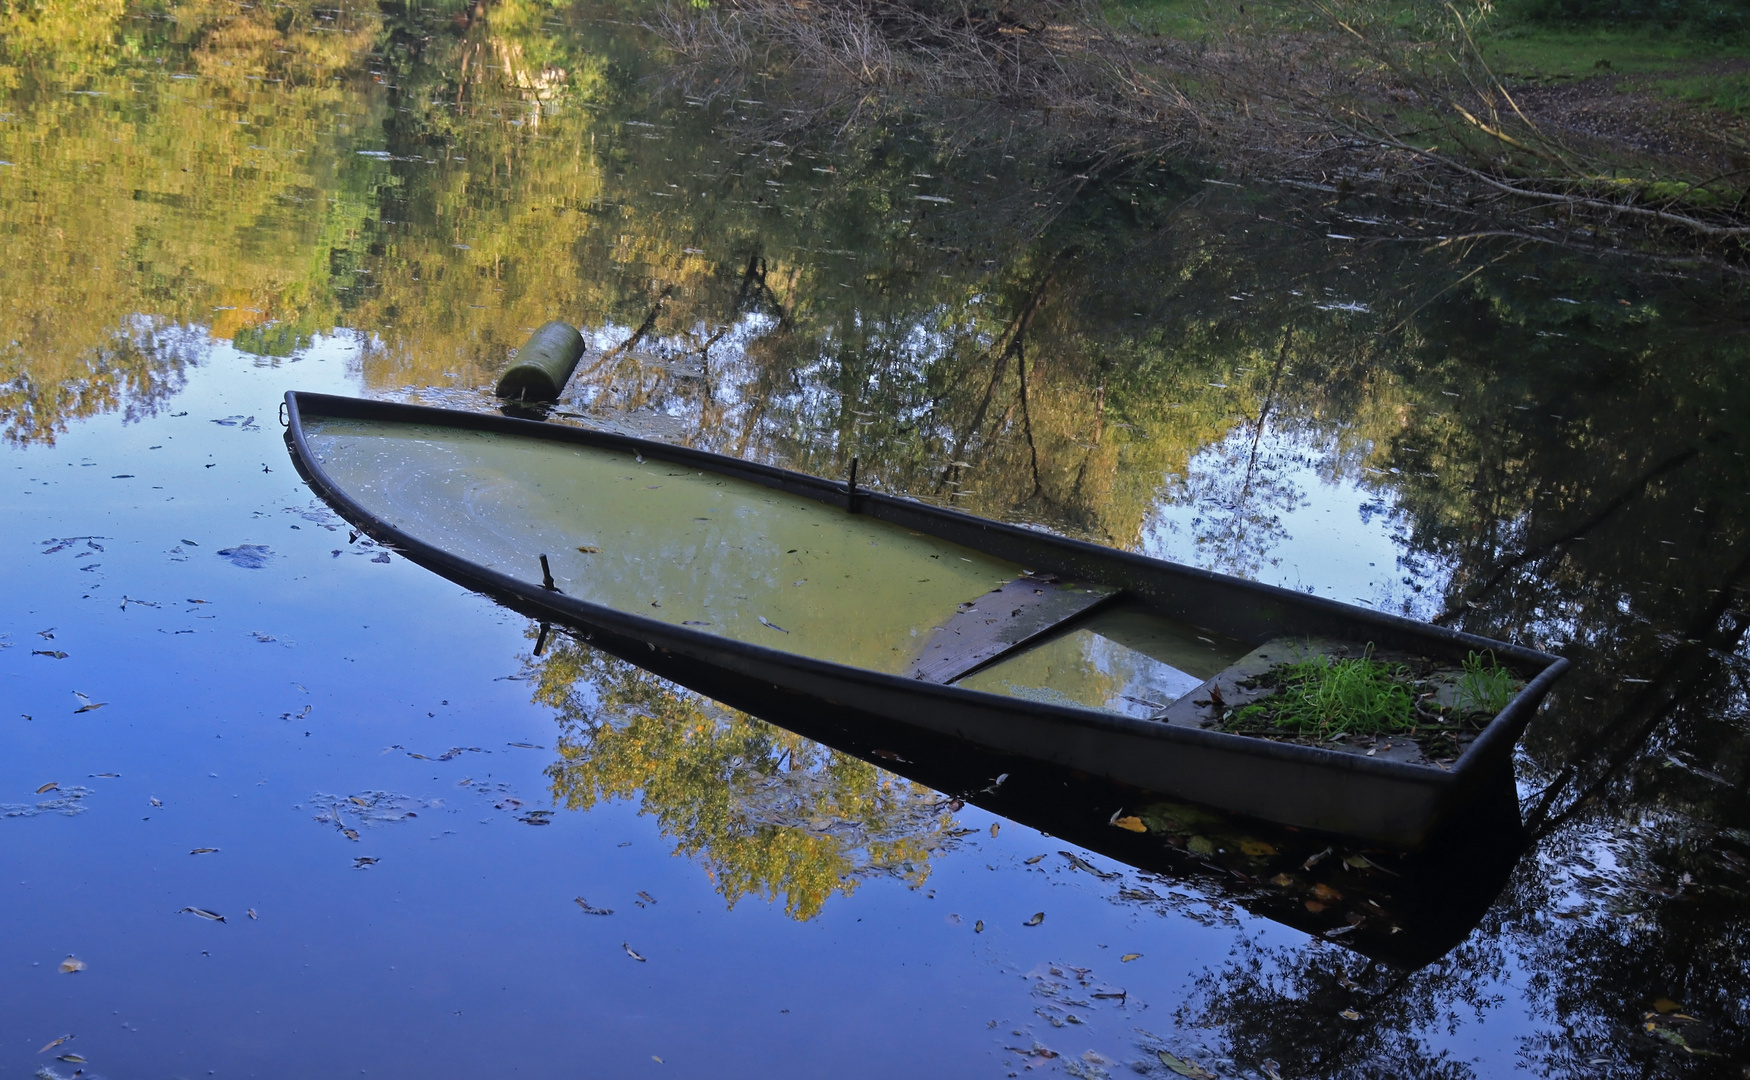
<point x="1545" y="120"/>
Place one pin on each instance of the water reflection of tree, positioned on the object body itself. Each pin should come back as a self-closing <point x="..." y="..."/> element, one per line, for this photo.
<point x="767" y="812"/>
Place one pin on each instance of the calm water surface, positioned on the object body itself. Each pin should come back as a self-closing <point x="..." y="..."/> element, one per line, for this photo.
<point x="417" y="827"/>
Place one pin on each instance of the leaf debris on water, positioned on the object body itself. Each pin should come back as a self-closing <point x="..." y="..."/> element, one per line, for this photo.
<point x="50" y="786"/>
<point x="1038" y="917"/>
<point x="54" y="1044"/>
<point x="589" y="909"/>
<point x="362" y="861"/>
<point x="203" y="913"/>
<point x="978" y="927"/>
<point x="70" y="1057"/>
<point x="1131" y="823"/>
<point x="72" y="964"/>
<point x="768" y="623"/>
<point x="629" y="952"/>
<point x="251" y="913"/>
<point x="1034" y="860"/>
<point x="1129" y="956"/>
<point x="203" y="851"/>
<point x="525" y="745"/>
<point x="1183" y="1067"/>
<point x="1350" y="1014"/>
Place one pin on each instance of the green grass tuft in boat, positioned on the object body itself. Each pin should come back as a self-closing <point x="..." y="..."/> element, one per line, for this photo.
<point x="1323" y="697"/>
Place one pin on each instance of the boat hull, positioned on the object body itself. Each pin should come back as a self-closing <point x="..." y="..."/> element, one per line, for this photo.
<point x="1389" y="803"/>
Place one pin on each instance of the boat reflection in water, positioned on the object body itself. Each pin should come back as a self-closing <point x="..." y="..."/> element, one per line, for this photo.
<point x="1405" y="909"/>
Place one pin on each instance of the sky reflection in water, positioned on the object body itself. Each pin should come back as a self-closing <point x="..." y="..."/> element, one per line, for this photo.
<point x="209" y="204"/>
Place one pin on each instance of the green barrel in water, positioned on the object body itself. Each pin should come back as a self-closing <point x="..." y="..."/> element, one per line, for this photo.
<point x="544" y="364"/>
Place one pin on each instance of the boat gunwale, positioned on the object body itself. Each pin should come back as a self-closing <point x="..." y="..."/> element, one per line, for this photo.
<point x="1505" y="726"/>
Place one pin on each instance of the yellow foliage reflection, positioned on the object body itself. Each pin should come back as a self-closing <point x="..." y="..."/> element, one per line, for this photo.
<point x="769" y="813"/>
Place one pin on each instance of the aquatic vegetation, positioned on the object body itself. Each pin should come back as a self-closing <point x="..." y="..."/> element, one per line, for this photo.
<point x="1323" y="696"/>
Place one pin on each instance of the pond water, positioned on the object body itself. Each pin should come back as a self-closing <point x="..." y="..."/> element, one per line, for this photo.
<point x="217" y="701"/>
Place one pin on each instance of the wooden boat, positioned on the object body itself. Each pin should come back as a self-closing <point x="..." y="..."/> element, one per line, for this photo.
<point x="778" y="592"/>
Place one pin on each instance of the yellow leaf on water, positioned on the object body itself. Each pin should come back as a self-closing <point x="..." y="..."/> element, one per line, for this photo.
<point x="1132" y="823"/>
<point x="54" y="1044"/>
<point x="1034" y="860"/>
<point x="50" y="786"/>
<point x="72" y="964"/>
<point x="994" y="827"/>
<point x="1665" y="1005"/>
<point x="1183" y="1067"/>
<point x="1129" y="956"/>
<point x="1350" y="1014"/>
<point x="1257" y="847"/>
<point x="1282" y="880"/>
<point x="587" y="550"/>
<point x="74" y="1058"/>
<point x="356" y="799"/>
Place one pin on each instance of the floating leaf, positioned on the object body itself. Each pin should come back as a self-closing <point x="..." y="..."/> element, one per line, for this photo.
<point x="772" y="625"/>
<point x="74" y="1058"/>
<point x="95" y="705"/>
<point x="203" y="851"/>
<point x="588" y="909"/>
<point x="1326" y="893"/>
<point x="1035" y="859"/>
<point x="247" y="556"/>
<point x="629" y="952"/>
<point x="1038" y="917"/>
<point x="1282" y="880"/>
<point x="525" y="745"/>
<point x="1350" y="1014"/>
<point x="978" y="927"/>
<point x="55" y="654"/>
<point x="50" y="786"/>
<point x="356" y="799"/>
<point x="155" y="800"/>
<point x="1183" y="1067"/>
<point x="350" y="834"/>
<point x="203" y="913"/>
<point x="1257" y="847"/>
<point x="72" y="964"/>
<point x="994" y="827"/>
<point x="1200" y="845"/>
<point x="54" y="1044"/>
<point x="1665" y="1005"/>
<point x="252" y="914"/>
<point x="1132" y="823"/>
<point x="587" y="550"/>
<point x="1129" y="956"/>
<point x="359" y="862"/>
<point x="647" y="897"/>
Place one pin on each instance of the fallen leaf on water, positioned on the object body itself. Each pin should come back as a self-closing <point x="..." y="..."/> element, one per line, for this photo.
<point x="107" y="775"/>
<point x="1326" y="893"/>
<point x="1033" y="860"/>
<point x="526" y="745"/>
<point x="361" y="861"/>
<point x="203" y="851"/>
<point x="252" y="914"/>
<point x="1086" y="867"/>
<point x="54" y="654"/>
<point x="647" y="897"/>
<point x="1131" y="822"/>
<point x="1257" y="847"/>
<point x="356" y="799"/>
<point x="978" y="927"/>
<point x="1665" y="1005"/>
<point x="1271" y="1069"/>
<point x="588" y="909"/>
<point x="54" y="1044"/>
<point x="888" y="755"/>
<point x="1282" y="880"/>
<point x="74" y="1058"/>
<point x="50" y="786"/>
<point x="627" y="946"/>
<point x="994" y="827"/>
<point x="1200" y="845"/>
<point x="350" y="834"/>
<point x="772" y="625"/>
<point x="72" y="964"/>
<point x="155" y="801"/>
<point x="1129" y="956"/>
<point x="1038" y="917"/>
<point x="1183" y="1067"/>
<point x="1350" y="1014"/>
<point x="1316" y="859"/>
<point x="587" y="550"/>
<point x="89" y="708"/>
<point x="203" y="913"/>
